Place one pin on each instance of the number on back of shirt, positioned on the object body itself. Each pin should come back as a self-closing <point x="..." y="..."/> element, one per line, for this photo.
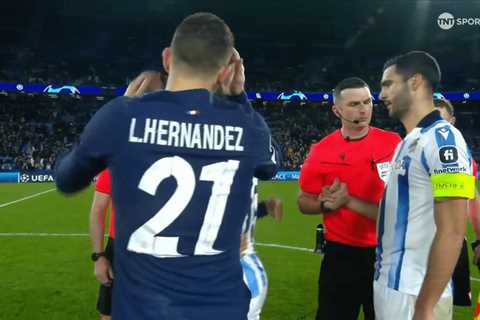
<point x="145" y="239"/>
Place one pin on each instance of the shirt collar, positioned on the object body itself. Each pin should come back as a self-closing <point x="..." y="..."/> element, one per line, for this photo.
<point x="429" y="119"/>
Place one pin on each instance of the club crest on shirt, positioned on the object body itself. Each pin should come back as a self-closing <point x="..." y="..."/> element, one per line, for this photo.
<point x="399" y="167"/>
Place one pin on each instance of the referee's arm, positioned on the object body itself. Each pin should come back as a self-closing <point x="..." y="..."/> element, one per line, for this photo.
<point x="365" y="208"/>
<point x="310" y="203"/>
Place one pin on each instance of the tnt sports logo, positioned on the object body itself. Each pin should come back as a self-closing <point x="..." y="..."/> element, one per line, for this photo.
<point x="24" y="178"/>
<point x="447" y="21"/>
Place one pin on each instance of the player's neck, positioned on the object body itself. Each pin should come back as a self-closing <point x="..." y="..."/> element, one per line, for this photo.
<point x="180" y="83"/>
<point x="418" y="111"/>
<point x="354" y="133"/>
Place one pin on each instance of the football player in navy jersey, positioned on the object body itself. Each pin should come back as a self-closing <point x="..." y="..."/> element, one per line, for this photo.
<point x="182" y="163"/>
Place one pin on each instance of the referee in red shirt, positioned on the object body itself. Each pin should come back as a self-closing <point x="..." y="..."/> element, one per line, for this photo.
<point x="147" y="81"/>
<point x="343" y="178"/>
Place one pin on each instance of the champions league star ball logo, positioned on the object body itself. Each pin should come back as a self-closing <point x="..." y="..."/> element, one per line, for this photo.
<point x="24" y="178"/>
<point x="296" y="95"/>
<point x="63" y="89"/>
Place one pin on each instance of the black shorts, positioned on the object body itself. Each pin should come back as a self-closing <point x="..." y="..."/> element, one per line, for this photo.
<point x="461" y="279"/>
<point x="346" y="282"/>
<point x="104" y="303"/>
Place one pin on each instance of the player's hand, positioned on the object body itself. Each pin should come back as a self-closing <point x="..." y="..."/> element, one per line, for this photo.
<point x="338" y="198"/>
<point x="275" y="208"/>
<point x="243" y="244"/>
<point x="234" y="83"/>
<point x="423" y="313"/>
<point x="146" y="81"/>
<point x="103" y="271"/>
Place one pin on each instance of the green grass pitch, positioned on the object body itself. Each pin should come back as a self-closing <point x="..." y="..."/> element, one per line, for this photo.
<point x="51" y="277"/>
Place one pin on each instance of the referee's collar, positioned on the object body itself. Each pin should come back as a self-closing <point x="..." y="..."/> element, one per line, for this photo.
<point x="429" y="119"/>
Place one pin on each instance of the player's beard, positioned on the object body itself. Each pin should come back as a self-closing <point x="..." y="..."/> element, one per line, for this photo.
<point x="401" y="104"/>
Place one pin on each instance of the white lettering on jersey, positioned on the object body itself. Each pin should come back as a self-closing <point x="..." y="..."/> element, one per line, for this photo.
<point x="188" y="135"/>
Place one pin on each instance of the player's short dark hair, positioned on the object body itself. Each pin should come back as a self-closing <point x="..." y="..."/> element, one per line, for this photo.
<point x="203" y="42"/>
<point x="414" y="62"/>
<point x="348" y="83"/>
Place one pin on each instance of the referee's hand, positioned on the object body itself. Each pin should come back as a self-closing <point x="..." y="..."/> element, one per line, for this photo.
<point x="335" y="196"/>
<point x="103" y="271"/>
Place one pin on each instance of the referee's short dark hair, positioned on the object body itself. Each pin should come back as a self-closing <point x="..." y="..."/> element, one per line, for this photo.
<point x="203" y="42"/>
<point x="348" y="83"/>
<point x="414" y="62"/>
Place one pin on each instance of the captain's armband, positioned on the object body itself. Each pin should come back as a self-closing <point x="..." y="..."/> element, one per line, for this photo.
<point x="453" y="185"/>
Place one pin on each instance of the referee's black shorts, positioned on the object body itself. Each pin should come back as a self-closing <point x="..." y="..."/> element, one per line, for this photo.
<point x="346" y="282"/>
<point x="104" y="303"/>
<point x="461" y="279"/>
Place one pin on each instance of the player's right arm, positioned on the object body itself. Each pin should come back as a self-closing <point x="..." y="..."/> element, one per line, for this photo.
<point x="100" y="139"/>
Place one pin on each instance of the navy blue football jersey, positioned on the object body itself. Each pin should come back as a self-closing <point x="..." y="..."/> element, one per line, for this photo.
<point x="181" y="166"/>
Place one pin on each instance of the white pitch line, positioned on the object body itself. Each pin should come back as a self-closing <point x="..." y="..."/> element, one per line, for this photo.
<point x="272" y="245"/>
<point x="282" y="246"/>
<point x="26" y="198"/>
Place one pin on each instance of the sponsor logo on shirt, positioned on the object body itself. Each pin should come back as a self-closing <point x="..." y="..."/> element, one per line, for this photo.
<point x="451" y="170"/>
<point x="448" y="154"/>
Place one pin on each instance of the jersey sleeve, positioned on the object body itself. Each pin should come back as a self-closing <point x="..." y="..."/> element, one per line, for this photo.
<point x="103" y="182"/>
<point x="266" y="154"/>
<point x="449" y="164"/>
<point x="311" y="180"/>
<point x="98" y="142"/>
<point x="240" y="99"/>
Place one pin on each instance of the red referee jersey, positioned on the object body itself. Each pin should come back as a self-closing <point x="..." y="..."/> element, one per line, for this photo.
<point x="361" y="164"/>
<point x="475" y="169"/>
<point x="103" y="185"/>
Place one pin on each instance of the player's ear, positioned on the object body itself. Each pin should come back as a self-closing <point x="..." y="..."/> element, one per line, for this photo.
<point x="166" y="59"/>
<point x="415" y="81"/>
<point x="453" y="120"/>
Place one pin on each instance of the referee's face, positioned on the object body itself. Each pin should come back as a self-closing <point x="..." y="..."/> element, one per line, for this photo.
<point x="355" y="106"/>
<point x="394" y="93"/>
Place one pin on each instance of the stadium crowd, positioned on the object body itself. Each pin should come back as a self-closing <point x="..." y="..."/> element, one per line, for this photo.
<point x="316" y="72"/>
<point x="35" y="129"/>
